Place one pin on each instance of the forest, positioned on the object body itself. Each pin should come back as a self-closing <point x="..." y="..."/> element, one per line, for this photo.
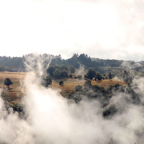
<point x="17" y="64"/>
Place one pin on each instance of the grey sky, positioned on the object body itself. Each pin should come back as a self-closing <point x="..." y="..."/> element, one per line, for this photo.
<point x="100" y="28"/>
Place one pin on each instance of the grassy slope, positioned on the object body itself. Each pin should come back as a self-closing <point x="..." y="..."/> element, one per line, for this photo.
<point x="14" y="91"/>
<point x="69" y="84"/>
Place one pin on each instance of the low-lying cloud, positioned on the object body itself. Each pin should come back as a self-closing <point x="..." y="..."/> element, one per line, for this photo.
<point x="51" y="119"/>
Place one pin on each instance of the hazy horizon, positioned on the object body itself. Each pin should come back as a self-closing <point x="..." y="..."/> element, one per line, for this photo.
<point x="71" y="56"/>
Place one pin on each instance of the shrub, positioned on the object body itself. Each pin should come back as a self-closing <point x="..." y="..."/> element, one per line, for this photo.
<point x="70" y="76"/>
<point x="98" y="76"/>
<point x="78" y="88"/>
<point x="47" y="80"/>
<point x="79" y="77"/>
<point x="97" y="88"/>
<point x="61" y="82"/>
<point x="85" y="76"/>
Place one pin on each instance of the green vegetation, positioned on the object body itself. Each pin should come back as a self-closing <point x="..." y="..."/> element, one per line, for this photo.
<point x="98" y="76"/>
<point x="78" y="88"/>
<point x="8" y="82"/>
<point x="58" y="72"/>
<point x="61" y="73"/>
<point x="46" y="81"/>
<point x="90" y="74"/>
<point x="70" y="65"/>
<point x="61" y="82"/>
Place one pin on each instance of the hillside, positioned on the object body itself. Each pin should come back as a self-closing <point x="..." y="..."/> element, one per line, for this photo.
<point x="16" y="64"/>
<point x="15" y="92"/>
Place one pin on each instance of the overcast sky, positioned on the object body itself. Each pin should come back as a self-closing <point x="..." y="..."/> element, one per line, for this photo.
<point x="111" y="29"/>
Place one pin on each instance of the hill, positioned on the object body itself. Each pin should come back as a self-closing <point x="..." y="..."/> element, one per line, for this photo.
<point x="16" y="64"/>
<point x="15" y="92"/>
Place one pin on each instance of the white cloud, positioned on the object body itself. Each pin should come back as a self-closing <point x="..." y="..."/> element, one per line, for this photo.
<point x="67" y="27"/>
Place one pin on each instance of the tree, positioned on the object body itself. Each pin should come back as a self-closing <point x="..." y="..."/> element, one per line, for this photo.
<point x="97" y="88"/>
<point x="71" y="69"/>
<point x="8" y="82"/>
<point x="70" y="76"/>
<point x="78" y="88"/>
<point x="86" y="76"/>
<point x="91" y="73"/>
<point x="98" y="76"/>
<point x="64" y="73"/>
<point x="47" y="80"/>
<point x="110" y="76"/>
<point x="64" y="67"/>
<point x="50" y="70"/>
<point x="57" y="73"/>
<point x="61" y="82"/>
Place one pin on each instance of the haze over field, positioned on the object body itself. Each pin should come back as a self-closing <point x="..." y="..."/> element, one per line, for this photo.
<point x="100" y="28"/>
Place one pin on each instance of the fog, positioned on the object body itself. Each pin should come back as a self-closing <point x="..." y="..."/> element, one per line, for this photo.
<point x="81" y="70"/>
<point x="51" y="119"/>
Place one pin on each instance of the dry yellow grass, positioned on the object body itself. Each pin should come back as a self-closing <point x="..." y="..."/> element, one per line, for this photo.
<point x="69" y="84"/>
<point x="14" y="91"/>
<point x="106" y="83"/>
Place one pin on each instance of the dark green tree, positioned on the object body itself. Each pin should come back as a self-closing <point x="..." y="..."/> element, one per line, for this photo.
<point x="61" y="82"/>
<point x="50" y="70"/>
<point x="98" y="76"/>
<point x="8" y="82"/>
<point x="86" y="76"/>
<point x="64" y="73"/>
<point x="70" y="76"/>
<point x="91" y="73"/>
<point x="57" y="73"/>
<point x="64" y="67"/>
<point x="110" y="76"/>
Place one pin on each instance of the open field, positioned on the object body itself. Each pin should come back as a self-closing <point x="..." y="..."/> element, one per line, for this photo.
<point x="14" y="91"/>
<point x="69" y="84"/>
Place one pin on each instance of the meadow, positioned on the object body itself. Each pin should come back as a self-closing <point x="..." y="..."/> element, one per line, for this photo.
<point x="15" y="91"/>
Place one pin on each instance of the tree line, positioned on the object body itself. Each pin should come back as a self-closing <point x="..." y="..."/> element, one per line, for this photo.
<point x="17" y="63"/>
